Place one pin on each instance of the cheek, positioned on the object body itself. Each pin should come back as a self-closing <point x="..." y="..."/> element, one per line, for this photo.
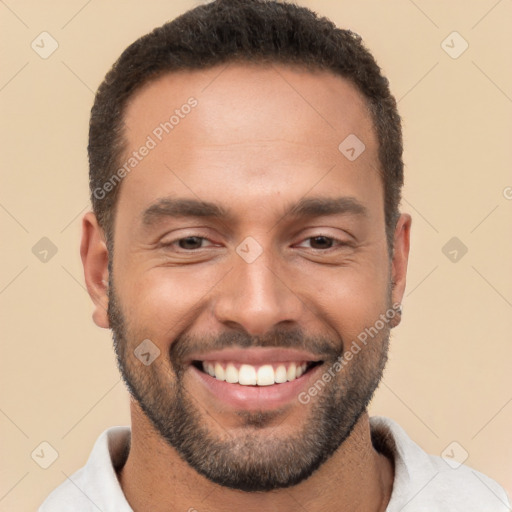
<point x="351" y="299"/>
<point x="161" y="302"/>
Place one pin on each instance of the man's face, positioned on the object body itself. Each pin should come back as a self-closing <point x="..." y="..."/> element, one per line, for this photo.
<point x="285" y="267"/>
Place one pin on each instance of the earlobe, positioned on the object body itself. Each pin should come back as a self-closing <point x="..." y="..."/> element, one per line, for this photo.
<point x="94" y="254"/>
<point x="399" y="261"/>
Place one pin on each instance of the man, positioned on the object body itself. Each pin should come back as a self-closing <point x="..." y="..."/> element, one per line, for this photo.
<point x="247" y="251"/>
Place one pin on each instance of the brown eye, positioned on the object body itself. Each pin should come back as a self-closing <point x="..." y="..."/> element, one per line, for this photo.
<point x="321" y="242"/>
<point x="191" y="242"/>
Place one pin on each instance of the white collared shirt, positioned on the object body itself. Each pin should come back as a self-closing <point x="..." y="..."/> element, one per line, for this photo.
<point x="423" y="483"/>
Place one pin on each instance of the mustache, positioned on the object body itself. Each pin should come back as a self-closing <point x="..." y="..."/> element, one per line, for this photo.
<point x="320" y="346"/>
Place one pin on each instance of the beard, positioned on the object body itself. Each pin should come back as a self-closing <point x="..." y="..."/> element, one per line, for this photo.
<point x="256" y="456"/>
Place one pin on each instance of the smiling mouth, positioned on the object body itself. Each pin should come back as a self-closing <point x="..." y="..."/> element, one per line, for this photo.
<point x="255" y="375"/>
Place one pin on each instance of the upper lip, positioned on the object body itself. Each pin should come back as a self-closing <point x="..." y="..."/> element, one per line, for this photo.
<point x="255" y="355"/>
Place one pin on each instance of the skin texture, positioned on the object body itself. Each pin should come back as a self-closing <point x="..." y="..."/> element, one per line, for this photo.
<point x="259" y="140"/>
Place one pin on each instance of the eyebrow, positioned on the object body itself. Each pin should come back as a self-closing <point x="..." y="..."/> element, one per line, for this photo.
<point x="306" y="207"/>
<point x="169" y="207"/>
<point x="318" y="206"/>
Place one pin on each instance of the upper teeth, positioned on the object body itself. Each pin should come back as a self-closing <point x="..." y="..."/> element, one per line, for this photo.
<point x="248" y="375"/>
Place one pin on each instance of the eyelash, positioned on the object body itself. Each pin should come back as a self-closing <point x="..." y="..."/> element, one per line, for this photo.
<point x="175" y="242"/>
<point x="336" y="243"/>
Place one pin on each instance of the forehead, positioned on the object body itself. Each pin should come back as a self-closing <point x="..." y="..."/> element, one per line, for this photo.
<point x="250" y="127"/>
<point x="327" y="104"/>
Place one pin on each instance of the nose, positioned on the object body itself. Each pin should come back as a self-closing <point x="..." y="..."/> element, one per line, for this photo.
<point x="257" y="297"/>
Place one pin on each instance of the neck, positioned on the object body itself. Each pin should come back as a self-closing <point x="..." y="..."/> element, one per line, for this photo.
<point x="155" y="478"/>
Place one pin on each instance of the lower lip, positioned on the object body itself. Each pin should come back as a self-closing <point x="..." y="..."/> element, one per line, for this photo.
<point x="255" y="397"/>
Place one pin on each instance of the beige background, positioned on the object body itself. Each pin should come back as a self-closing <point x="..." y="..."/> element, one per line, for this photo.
<point x="449" y="375"/>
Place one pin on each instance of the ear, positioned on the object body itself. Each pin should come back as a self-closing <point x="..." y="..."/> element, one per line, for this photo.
<point x="399" y="261"/>
<point x="94" y="253"/>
